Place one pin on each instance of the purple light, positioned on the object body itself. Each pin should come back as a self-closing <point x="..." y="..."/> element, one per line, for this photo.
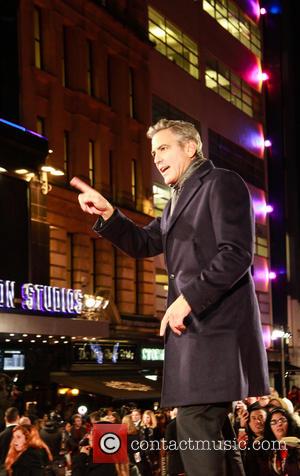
<point x="252" y="8"/>
<point x="272" y="275"/>
<point x="261" y="208"/>
<point x="17" y="126"/>
<point x="266" y="330"/>
<point x="268" y="143"/>
<point x="254" y="141"/>
<point x="264" y="76"/>
<point x="263" y="11"/>
<point x="269" y="209"/>
<point x="261" y="274"/>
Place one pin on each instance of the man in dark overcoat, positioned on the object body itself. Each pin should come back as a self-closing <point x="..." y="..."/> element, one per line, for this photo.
<point x="214" y="350"/>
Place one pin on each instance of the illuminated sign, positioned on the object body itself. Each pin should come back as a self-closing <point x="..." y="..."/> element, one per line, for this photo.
<point x="148" y="353"/>
<point x="42" y="298"/>
<point x="104" y="353"/>
<point x="13" y="360"/>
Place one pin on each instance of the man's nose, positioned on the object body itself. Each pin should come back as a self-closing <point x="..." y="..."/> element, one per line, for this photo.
<point x="156" y="159"/>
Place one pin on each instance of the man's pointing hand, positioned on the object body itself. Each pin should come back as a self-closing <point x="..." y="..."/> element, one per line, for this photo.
<point x="92" y="201"/>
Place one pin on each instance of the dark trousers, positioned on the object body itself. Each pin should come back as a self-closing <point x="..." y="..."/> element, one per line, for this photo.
<point x="201" y="429"/>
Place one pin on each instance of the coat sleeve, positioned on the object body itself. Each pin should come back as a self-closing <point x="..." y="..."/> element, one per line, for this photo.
<point x="231" y="213"/>
<point x="136" y="241"/>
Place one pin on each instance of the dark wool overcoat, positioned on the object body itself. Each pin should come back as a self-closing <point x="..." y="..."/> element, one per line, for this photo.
<point x="208" y="246"/>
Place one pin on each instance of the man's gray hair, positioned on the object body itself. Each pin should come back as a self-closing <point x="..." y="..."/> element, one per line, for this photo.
<point x="186" y="131"/>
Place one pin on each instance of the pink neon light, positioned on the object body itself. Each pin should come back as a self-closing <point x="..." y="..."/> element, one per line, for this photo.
<point x="268" y="143"/>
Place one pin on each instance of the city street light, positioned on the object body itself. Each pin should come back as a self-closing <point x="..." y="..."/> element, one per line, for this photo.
<point x="281" y="334"/>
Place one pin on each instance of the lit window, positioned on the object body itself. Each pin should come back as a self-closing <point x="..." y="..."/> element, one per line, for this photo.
<point x="89" y="59"/>
<point x="133" y="179"/>
<point x="40" y="126"/>
<point x="64" y="58"/>
<point x="233" y="89"/>
<point x="70" y="260"/>
<point x="38" y="60"/>
<point x="67" y="155"/>
<point x="261" y="245"/>
<point x="92" y="162"/>
<point x="131" y="93"/>
<point x="230" y="17"/>
<point x="173" y="43"/>
<point x="111" y="170"/>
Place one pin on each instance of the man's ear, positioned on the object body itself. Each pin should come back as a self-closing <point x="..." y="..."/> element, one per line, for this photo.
<point x="191" y="148"/>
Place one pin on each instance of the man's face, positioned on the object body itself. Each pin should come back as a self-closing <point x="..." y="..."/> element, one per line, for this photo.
<point x="135" y="415"/>
<point x="78" y="422"/>
<point x="171" y="158"/>
<point x="257" y="421"/>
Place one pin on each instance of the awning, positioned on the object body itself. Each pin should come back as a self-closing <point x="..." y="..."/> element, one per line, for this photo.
<point x="129" y="386"/>
<point x="21" y="148"/>
<point x="58" y="326"/>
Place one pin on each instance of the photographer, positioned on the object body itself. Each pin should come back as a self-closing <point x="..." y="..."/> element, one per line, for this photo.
<point x="83" y="462"/>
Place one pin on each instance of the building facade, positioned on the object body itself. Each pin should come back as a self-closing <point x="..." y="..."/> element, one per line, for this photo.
<point x="93" y="75"/>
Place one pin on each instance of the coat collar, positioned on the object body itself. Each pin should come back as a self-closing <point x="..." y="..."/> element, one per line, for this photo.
<point x="190" y="187"/>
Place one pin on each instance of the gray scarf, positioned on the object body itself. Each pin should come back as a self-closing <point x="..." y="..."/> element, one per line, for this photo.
<point x="178" y="186"/>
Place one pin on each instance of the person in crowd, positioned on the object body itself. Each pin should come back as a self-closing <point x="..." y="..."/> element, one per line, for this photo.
<point x="27" y="453"/>
<point x="253" y="421"/>
<point x="78" y="431"/>
<point x="251" y="432"/>
<point x="239" y="408"/>
<point x="250" y="400"/>
<point x="161" y="419"/>
<point x="279" y="454"/>
<point x="294" y="395"/>
<point x="95" y="417"/>
<point x="148" y="433"/>
<point x="83" y="464"/>
<point x="25" y="420"/>
<point x="136" y="416"/>
<point x="174" y="461"/>
<point x="39" y="423"/>
<point x="133" y="450"/>
<point x="51" y="434"/>
<point x="66" y="447"/>
<point x="277" y="402"/>
<point x="114" y="417"/>
<point x="206" y="233"/>
<point x="45" y="451"/>
<point x="263" y="400"/>
<point x="31" y="411"/>
<point x="11" y="418"/>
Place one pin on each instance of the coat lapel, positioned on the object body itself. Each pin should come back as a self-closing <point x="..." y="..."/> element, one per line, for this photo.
<point x="190" y="187"/>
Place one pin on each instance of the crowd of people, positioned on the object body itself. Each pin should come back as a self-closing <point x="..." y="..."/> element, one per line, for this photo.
<point x="266" y="430"/>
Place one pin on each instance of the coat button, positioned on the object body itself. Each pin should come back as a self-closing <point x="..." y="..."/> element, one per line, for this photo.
<point x="172" y="276"/>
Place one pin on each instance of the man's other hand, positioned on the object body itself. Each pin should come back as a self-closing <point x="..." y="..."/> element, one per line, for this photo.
<point x="175" y="315"/>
